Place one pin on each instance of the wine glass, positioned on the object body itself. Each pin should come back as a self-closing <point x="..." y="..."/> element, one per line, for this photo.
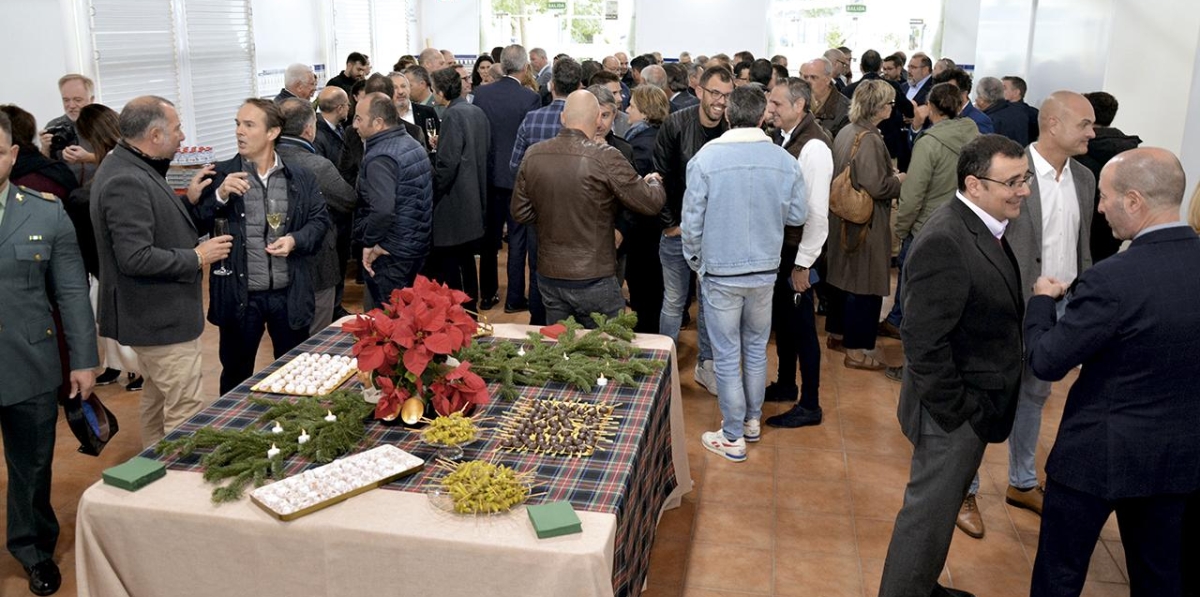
<point x="276" y="214"/>
<point x="431" y="132"/>
<point x="221" y="228"/>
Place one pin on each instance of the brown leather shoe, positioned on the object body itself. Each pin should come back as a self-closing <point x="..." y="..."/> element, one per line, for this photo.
<point x="1029" y="499"/>
<point x="887" y="330"/>
<point x="969" y="518"/>
<point x="834" y="344"/>
<point x="866" y="362"/>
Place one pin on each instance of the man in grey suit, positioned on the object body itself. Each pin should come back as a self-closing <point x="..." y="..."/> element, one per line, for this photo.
<point x="40" y="266"/>
<point x="1050" y="238"/>
<point x="151" y="267"/>
<point x="962" y="345"/>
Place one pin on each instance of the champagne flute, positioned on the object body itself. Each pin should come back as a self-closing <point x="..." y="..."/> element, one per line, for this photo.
<point x="431" y="132"/>
<point x="221" y="228"/>
<point x="276" y="213"/>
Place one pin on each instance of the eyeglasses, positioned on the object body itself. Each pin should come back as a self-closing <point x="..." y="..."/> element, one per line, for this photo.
<point x="1013" y="184"/>
<point x="716" y="95"/>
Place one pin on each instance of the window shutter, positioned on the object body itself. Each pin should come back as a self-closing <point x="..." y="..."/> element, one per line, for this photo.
<point x="218" y="68"/>
<point x="353" y="31"/>
<point x="134" y="43"/>
<point x="391" y="33"/>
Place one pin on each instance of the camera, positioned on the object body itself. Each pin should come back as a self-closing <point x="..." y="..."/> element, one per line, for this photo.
<point x="62" y="137"/>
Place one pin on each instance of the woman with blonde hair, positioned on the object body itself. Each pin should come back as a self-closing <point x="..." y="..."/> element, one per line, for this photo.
<point x="859" y="255"/>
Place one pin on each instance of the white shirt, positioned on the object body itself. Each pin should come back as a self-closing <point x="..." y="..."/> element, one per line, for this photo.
<point x="996" y="227"/>
<point x="1060" y="219"/>
<point x="408" y="116"/>
<point x="816" y="164"/>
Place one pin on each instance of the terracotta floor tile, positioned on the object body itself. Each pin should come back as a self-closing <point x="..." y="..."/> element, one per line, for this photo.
<point x="698" y="592"/>
<point x="806" y="575"/>
<point x="677" y="523"/>
<point x="668" y="561"/>
<point x="655" y="590"/>
<point x="734" y="525"/>
<point x="826" y="436"/>
<point x="1118" y="554"/>
<point x="714" y="566"/>
<point x="873" y="537"/>
<point x="1104" y="566"/>
<point x="872" y="572"/>
<point x="812" y="497"/>
<point x="874" y="501"/>
<point x="1104" y="589"/>
<point x="825" y="465"/>
<point x="990" y="582"/>
<point x="882" y="470"/>
<point x="997" y="553"/>
<point x="796" y="531"/>
<point x="744" y="489"/>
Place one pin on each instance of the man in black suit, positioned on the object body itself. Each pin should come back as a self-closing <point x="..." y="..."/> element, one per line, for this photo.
<point x="505" y="103"/>
<point x="1127" y="441"/>
<point x="962" y="345"/>
<point x="146" y="239"/>
<point x="1014" y="91"/>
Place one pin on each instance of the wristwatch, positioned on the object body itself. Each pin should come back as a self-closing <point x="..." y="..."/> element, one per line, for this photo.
<point x="799" y="268"/>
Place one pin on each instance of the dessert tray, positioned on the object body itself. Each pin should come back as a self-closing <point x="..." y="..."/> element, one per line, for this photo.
<point x="326" y="485"/>
<point x="309" y="374"/>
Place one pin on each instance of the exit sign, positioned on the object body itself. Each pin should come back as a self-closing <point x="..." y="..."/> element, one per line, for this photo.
<point x="558" y="6"/>
<point x="855" y="8"/>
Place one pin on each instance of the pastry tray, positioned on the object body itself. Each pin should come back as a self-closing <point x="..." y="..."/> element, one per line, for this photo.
<point x="264" y="385"/>
<point x="396" y="464"/>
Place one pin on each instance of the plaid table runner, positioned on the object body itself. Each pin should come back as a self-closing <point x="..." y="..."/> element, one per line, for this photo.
<point x="631" y="478"/>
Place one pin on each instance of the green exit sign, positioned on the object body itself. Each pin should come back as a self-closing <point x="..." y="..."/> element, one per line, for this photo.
<point x="854" y="8"/>
<point x="558" y="6"/>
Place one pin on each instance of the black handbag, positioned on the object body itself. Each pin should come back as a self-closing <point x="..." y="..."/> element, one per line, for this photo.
<point x="91" y="422"/>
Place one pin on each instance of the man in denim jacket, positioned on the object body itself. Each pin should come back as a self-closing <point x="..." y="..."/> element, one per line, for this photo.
<point x="741" y="191"/>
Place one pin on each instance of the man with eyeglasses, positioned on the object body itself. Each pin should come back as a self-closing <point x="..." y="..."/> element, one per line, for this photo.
<point x="682" y="135"/>
<point x="1050" y="238"/>
<point x="831" y="109"/>
<point x="963" y="304"/>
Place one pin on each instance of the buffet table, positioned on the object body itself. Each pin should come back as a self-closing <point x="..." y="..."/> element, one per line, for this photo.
<point x="170" y="539"/>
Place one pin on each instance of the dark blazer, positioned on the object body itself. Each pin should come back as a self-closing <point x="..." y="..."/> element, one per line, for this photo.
<point x="505" y="103"/>
<point x="642" y="141"/>
<point x="460" y="175"/>
<point x="307" y="222"/>
<point x="40" y="266"/>
<point x="339" y="199"/>
<point x="1129" y="426"/>
<point x="683" y="100"/>
<point x="1024" y="233"/>
<point x="922" y="95"/>
<point x="145" y="239"/>
<point x="329" y="142"/>
<point x="422" y="114"/>
<point x="1010" y="120"/>
<point x="962" y="327"/>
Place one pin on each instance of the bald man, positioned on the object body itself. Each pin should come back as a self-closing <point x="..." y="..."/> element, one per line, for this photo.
<point x="335" y="111"/>
<point x="571" y="189"/>
<point x="1127" y="441"/>
<point x="1050" y="238"/>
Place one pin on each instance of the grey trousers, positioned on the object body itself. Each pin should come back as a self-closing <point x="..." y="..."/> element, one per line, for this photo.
<point x="323" y="312"/>
<point x="943" y="465"/>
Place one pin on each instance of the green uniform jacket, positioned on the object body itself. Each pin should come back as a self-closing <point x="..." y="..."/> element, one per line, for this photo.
<point x="40" y="265"/>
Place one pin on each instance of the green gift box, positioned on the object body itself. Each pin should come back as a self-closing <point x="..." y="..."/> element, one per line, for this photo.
<point x="554" y="519"/>
<point x="135" y="473"/>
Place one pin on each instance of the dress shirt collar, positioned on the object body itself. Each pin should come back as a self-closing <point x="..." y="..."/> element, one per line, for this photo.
<point x="1157" y="227"/>
<point x="1045" y="169"/>
<point x="996" y="227"/>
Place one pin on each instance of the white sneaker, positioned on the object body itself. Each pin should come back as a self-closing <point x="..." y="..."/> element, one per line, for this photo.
<point x="714" y="441"/>
<point x="752" y="430"/>
<point x="705" y="377"/>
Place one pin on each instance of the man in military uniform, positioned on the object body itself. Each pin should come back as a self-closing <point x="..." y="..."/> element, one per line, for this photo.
<point x="39" y="259"/>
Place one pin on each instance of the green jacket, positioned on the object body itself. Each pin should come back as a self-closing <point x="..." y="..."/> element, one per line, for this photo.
<point x="40" y="264"/>
<point x="932" y="177"/>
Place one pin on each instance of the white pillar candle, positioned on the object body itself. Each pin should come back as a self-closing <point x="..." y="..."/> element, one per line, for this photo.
<point x="273" y="452"/>
<point x="303" y="439"/>
<point x="330" y="416"/>
<point x="277" y="428"/>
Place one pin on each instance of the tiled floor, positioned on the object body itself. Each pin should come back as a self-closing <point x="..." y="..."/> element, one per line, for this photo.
<point x="809" y="513"/>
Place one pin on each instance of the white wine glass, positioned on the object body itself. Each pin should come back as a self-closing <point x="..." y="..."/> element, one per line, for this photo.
<point x="276" y="214"/>
<point x="221" y="228"/>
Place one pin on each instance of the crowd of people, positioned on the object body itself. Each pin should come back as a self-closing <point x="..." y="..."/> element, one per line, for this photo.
<point x="765" y="198"/>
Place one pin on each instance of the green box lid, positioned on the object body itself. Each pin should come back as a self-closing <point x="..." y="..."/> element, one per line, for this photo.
<point x="554" y="519"/>
<point x="135" y="473"/>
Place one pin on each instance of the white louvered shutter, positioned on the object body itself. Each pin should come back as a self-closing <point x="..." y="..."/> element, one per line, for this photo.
<point x="391" y="33"/>
<point x="219" y="69"/>
<point x="134" y="50"/>
<point x="353" y="31"/>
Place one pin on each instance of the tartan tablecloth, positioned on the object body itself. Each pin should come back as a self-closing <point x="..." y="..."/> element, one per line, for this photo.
<point x="631" y="478"/>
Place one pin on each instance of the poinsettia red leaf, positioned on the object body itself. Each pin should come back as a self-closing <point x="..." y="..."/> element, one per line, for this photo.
<point x="416" y="359"/>
<point x="552" y="331"/>
<point x="370" y="357"/>
<point x="439" y="343"/>
<point x="389" y="405"/>
<point x="357" y="326"/>
<point x="391" y="354"/>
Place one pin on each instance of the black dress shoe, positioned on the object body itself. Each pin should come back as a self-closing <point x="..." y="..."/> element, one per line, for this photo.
<point x="109" y="376"/>
<point x="135" y="384"/>
<point x="798" y="416"/>
<point x="44" y="578"/>
<point x="940" y="591"/>
<point x="517" y="307"/>
<point x="777" y="392"/>
<point x="488" y="303"/>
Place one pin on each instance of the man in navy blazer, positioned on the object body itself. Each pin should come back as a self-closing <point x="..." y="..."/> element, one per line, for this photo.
<point x="1128" y="440"/>
<point x="505" y="102"/>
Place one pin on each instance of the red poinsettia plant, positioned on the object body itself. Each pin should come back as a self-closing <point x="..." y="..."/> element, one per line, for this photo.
<point x="407" y="345"/>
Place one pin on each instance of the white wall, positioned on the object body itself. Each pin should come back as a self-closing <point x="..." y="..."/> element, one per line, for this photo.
<point x="961" y="29"/>
<point x="448" y="25"/>
<point x="705" y="27"/>
<point x="36" y="36"/>
<point x="288" y="31"/>
<point x="1190" y="154"/>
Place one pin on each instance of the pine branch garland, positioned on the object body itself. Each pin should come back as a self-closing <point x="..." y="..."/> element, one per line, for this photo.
<point x="578" y="359"/>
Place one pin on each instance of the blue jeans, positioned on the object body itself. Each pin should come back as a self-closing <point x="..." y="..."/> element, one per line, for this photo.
<point x="676" y="278"/>
<point x="565" y="298"/>
<point x="738" y="330"/>
<point x="897" y="313"/>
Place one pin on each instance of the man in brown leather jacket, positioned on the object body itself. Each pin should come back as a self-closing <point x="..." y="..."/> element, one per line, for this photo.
<point x="571" y="189"/>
